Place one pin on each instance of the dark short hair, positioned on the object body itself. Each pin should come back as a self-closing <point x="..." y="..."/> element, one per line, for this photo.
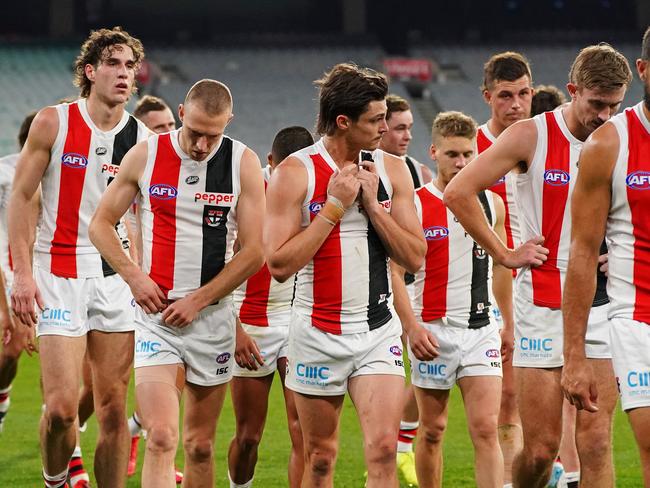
<point x="546" y="98"/>
<point x="289" y="140"/>
<point x="147" y="104"/>
<point x="506" y="66"/>
<point x="212" y="96"/>
<point x="23" y="132"/>
<point x="395" y="103"/>
<point x="97" y="47"/>
<point x="347" y="90"/>
<point x="645" y="46"/>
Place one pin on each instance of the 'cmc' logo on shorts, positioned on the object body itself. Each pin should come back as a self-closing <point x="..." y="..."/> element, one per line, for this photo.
<point x="315" y="207"/>
<point x="162" y="191"/>
<point x="432" y="369"/>
<point x="55" y="314"/>
<point x="74" y="160"/>
<point x="396" y="350"/>
<point x="147" y="346"/>
<point x="223" y="357"/>
<point x="636" y="379"/>
<point x="436" y="233"/>
<point x="532" y="344"/>
<point x="639" y="180"/>
<point x="314" y="372"/>
<point x="556" y="177"/>
<point x="492" y="353"/>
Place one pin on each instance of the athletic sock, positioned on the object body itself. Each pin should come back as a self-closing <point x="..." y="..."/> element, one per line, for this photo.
<point x="248" y="484"/>
<point x="135" y="427"/>
<point x="4" y="399"/>
<point x="407" y="433"/>
<point x="76" y="468"/>
<point x="56" y="481"/>
<point x="572" y="479"/>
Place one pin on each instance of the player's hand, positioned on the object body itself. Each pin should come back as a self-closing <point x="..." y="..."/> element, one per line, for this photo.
<point x="507" y="344"/>
<point x="369" y="184"/>
<point x="23" y="294"/>
<point x="247" y="354"/>
<point x="579" y="384"/>
<point x="423" y="343"/>
<point x="28" y="338"/>
<point x="147" y="293"/>
<point x="603" y="264"/>
<point x="530" y="253"/>
<point x="345" y="185"/>
<point x="7" y="326"/>
<point x="182" y="313"/>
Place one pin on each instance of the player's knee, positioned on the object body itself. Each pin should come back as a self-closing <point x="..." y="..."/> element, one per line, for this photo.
<point x="198" y="450"/>
<point x="541" y="456"/>
<point x="111" y="416"/>
<point x="162" y="438"/>
<point x="484" y="432"/>
<point x="594" y="447"/>
<point x="321" y="462"/>
<point x="10" y="353"/>
<point x="248" y="441"/>
<point x="382" y="450"/>
<point x="432" y="433"/>
<point x="60" y="415"/>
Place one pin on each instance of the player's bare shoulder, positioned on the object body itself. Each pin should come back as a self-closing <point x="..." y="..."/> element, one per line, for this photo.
<point x="397" y="172"/>
<point x="44" y="128"/>
<point x="289" y="180"/>
<point x="600" y="151"/>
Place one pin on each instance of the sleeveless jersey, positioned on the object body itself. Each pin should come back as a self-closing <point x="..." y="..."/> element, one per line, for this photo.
<point x="505" y="187"/>
<point x="7" y="171"/>
<point x="628" y="225"/>
<point x="261" y="300"/>
<point x="455" y="280"/>
<point x="345" y="288"/>
<point x="543" y="196"/>
<point x="188" y="210"/>
<point x="84" y="160"/>
<point x="418" y="180"/>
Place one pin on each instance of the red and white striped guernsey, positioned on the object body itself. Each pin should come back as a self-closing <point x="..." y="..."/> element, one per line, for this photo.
<point x="505" y="188"/>
<point x="345" y="288"/>
<point x="261" y="300"/>
<point x="84" y="160"/>
<point x="628" y="225"/>
<point x="188" y="210"/>
<point x="455" y="279"/>
<point x="7" y="171"/>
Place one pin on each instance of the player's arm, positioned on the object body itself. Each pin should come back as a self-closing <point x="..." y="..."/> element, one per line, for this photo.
<point x="249" y="258"/>
<point x="514" y="146"/>
<point x="287" y="247"/>
<point x="590" y="203"/>
<point x="32" y="163"/>
<point x="502" y="283"/>
<point x="399" y="230"/>
<point x="423" y="344"/>
<point x="113" y="205"/>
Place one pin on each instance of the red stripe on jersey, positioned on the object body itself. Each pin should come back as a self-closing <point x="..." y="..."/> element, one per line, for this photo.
<point x="166" y="170"/>
<point x="639" y="148"/>
<point x="64" y="241"/>
<point x="547" y="287"/>
<point x="482" y="141"/>
<point x="253" y="307"/>
<point x="436" y="264"/>
<point x="327" y="266"/>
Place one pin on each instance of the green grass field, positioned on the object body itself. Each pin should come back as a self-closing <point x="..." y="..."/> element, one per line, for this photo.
<point x="20" y="464"/>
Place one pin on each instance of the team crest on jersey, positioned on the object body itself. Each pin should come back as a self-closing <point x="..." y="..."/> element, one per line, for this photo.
<point x="214" y="217"/>
<point x="436" y="233"/>
<point x="315" y="207"/>
<point x="100" y="151"/>
<point x="556" y="177"/>
<point x="74" y="160"/>
<point x="162" y="191"/>
<point x="192" y="180"/>
<point x="639" y="180"/>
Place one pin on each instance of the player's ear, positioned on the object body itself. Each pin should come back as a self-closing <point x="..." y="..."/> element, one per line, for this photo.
<point x="343" y="122"/>
<point x="432" y="152"/>
<point x="181" y="111"/>
<point x="269" y="159"/>
<point x="89" y="71"/>
<point x="487" y="96"/>
<point x="572" y="88"/>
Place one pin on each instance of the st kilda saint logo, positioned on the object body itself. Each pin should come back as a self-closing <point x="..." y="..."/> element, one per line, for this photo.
<point x="214" y="217"/>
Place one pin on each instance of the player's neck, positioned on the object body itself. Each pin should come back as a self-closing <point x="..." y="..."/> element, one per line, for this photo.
<point x="340" y="151"/>
<point x="646" y="109"/>
<point x="495" y="127"/>
<point x="103" y="115"/>
<point x="440" y="184"/>
<point x="578" y="130"/>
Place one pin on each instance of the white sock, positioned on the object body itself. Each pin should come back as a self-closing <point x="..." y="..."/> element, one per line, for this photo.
<point x="134" y="425"/>
<point x="407" y="432"/>
<point x="5" y="390"/>
<point x="507" y="485"/>
<point x="76" y="452"/>
<point x="56" y="481"/>
<point x="570" y="477"/>
<point x="248" y="484"/>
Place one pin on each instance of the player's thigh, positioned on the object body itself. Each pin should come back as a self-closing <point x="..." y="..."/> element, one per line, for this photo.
<point x="158" y="391"/>
<point x="289" y="395"/>
<point x="111" y="359"/>
<point x="202" y="408"/>
<point x="640" y="422"/>
<point x="482" y="398"/>
<point x="433" y="406"/>
<point x="61" y="359"/>
<point x="539" y="398"/>
<point x="319" y="420"/>
<point x="250" y="399"/>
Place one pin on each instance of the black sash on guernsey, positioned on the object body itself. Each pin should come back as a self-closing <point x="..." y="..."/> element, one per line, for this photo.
<point x="410" y="277"/>
<point x="601" y="298"/>
<point x="378" y="311"/>
<point x="480" y="307"/>
<point x="218" y="180"/>
<point x="124" y="140"/>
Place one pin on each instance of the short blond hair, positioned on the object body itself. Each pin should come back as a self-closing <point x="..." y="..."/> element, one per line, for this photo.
<point x="453" y="124"/>
<point x="600" y="67"/>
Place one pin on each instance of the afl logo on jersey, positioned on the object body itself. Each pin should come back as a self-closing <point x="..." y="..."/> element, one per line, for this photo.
<point x="556" y="177"/>
<point x="74" y="160"/>
<point x="436" y="233"/>
<point x="639" y="180"/>
<point x="161" y="191"/>
<point x="315" y="207"/>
